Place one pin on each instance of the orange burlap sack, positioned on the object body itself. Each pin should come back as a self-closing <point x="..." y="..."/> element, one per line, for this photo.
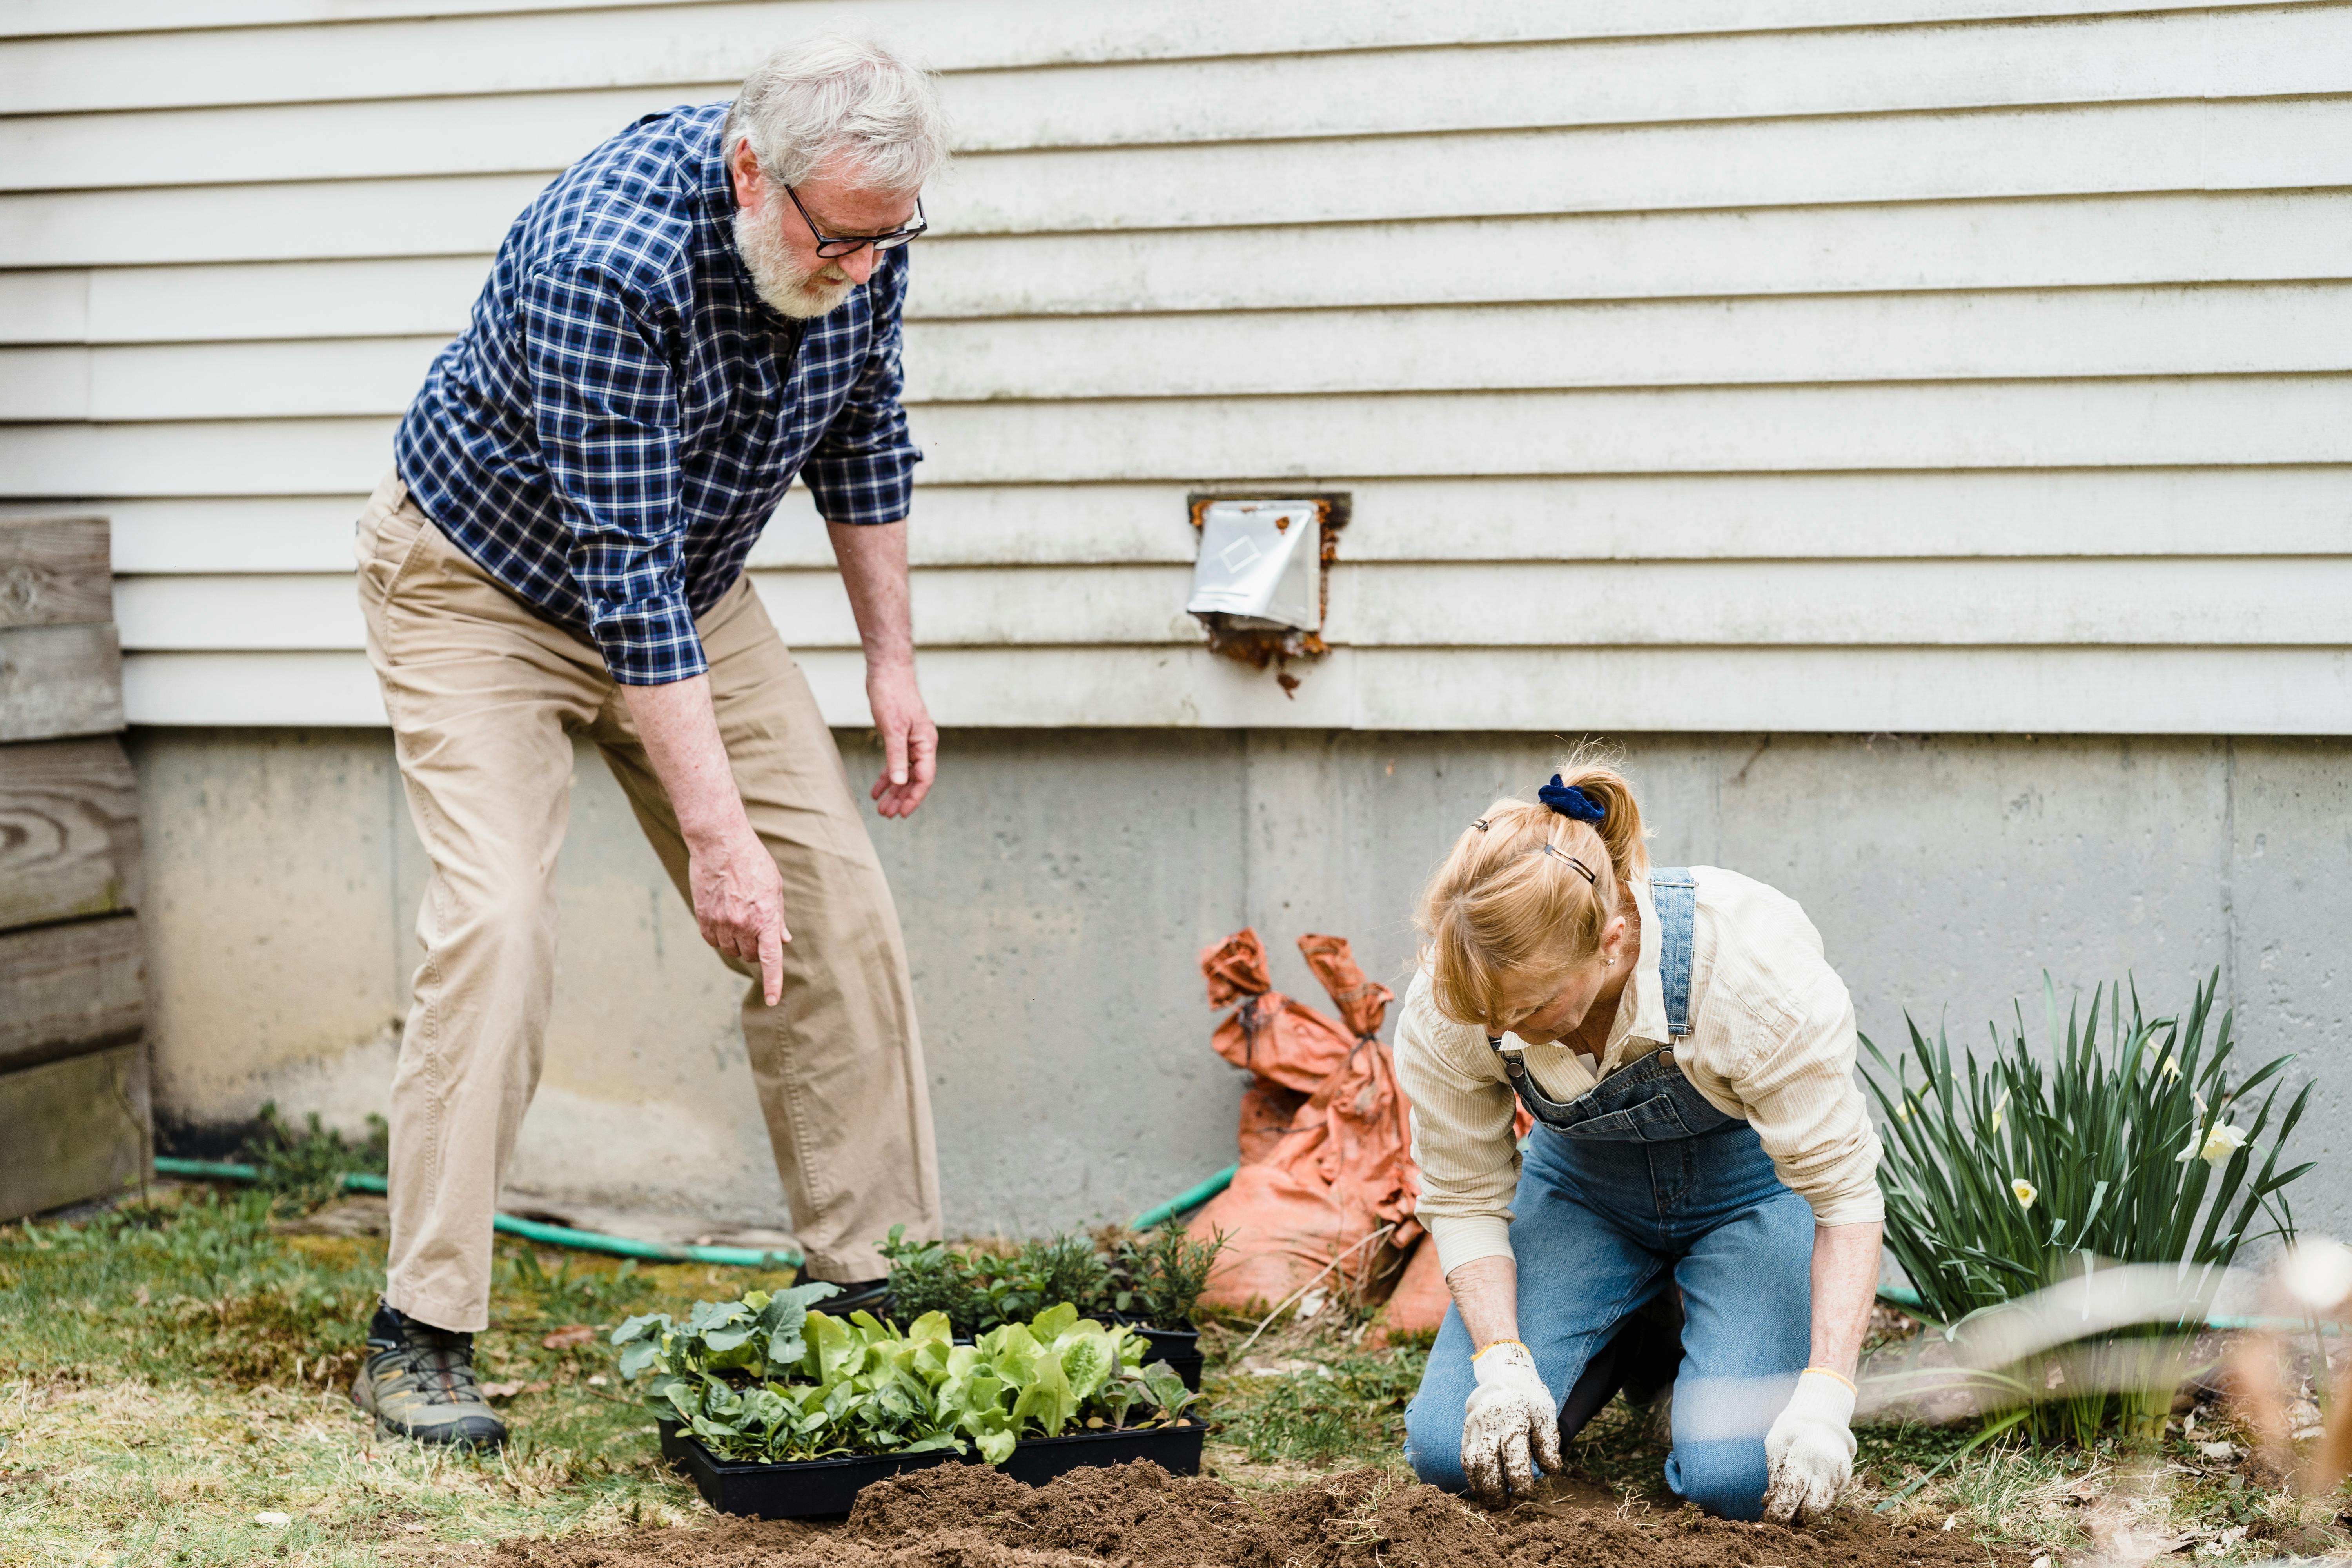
<point x="1332" y="1201"/>
<point x="1363" y="1004"/>
<point x="1268" y="1033"/>
<point x="1268" y="1111"/>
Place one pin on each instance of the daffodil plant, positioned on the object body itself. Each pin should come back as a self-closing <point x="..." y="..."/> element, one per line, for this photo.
<point x="767" y="1379"/>
<point x="2006" y="1171"/>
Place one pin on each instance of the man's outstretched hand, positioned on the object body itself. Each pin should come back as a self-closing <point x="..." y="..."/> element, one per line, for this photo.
<point x="737" y="894"/>
<point x="910" y="741"/>
<point x="873" y="559"/>
<point x="739" y="902"/>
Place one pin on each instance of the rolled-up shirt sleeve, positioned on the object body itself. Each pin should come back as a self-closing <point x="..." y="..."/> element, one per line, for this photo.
<point x="862" y="471"/>
<point x="605" y="400"/>
<point x="1798" y="1090"/>
<point x="1460" y="1133"/>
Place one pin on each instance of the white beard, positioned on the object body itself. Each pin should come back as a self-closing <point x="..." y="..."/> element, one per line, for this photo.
<point x="788" y="291"/>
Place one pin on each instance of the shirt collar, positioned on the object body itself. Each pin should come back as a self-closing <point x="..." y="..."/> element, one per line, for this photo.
<point x="715" y="184"/>
<point x="1642" y="1006"/>
<point x="715" y="188"/>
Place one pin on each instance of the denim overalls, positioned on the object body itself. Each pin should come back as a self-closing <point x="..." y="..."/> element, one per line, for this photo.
<point x="1636" y="1188"/>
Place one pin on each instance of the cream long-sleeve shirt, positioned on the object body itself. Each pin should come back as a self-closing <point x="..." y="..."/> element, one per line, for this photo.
<point x="1771" y="1042"/>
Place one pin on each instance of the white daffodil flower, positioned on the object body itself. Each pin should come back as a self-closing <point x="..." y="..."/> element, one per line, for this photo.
<point x="2025" y="1192"/>
<point x="2218" y="1145"/>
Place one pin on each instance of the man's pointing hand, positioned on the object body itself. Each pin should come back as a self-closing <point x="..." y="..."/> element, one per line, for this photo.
<point x="739" y="902"/>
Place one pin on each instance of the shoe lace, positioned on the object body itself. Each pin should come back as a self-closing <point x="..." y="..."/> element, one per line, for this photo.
<point x="442" y="1365"/>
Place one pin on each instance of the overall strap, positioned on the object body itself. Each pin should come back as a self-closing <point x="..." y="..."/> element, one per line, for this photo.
<point x="1541" y="1106"/>
<point x="1675" y="897"/>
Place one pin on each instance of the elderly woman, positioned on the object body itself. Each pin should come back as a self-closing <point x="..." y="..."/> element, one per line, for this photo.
<point x="1687" y="1055"/>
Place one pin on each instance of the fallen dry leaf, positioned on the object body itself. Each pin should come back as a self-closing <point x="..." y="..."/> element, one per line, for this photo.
<point x="572" y="1335"/>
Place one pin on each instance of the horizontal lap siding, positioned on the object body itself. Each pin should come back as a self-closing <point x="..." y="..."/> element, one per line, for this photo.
<point x="2215" y="330"/>
<point x="1201" y="103"/>
<point x="1793" y="363"/>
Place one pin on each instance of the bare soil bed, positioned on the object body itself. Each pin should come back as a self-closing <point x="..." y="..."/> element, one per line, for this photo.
<point x="970" y="1516"/>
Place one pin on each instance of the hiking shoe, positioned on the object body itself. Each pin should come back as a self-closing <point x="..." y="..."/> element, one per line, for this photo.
<point x="418" y="1382"/>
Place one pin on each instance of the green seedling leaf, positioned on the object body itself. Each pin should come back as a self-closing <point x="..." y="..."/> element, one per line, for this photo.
<point x="856" y="1384"/>
<point x="1167" y="1389"/>
<point x="1047" y="1403"/>
<point x="1086" y="1361"/>
<point x="635" y="1327"/>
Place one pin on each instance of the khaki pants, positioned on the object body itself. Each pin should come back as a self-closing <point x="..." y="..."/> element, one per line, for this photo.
<point x="484" y="697"/>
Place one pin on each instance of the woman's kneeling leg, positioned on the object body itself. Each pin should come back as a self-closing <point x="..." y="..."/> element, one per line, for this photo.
<point x="1433" y="1421"/>
<point x="1748" y="1328"/>
<point x="1578" y="1278"/>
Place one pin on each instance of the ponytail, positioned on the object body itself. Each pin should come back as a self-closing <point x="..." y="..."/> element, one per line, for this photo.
<point x="1529" y="889"/>
<point x="1619" y="824"/>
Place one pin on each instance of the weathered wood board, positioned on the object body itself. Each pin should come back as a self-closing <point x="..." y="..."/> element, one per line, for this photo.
<point x="59" y="680"/>
<point x="73" y="1130"/>
<point x="68" y="990"/>
<point x="54" y="572"/>
<point x="69" y="832"/>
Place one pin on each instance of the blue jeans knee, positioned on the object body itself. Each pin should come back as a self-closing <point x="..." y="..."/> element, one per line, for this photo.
<point x="1432" y="1440"/>
<point x="1724" y="1475"/>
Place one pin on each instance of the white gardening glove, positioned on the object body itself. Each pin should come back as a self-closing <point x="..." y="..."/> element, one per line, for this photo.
<point x="1808" y="1452"/>
<point x="1511" y="1419"/>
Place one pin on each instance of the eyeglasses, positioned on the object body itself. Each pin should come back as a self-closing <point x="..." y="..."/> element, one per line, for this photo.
<point x="830" y="245"/>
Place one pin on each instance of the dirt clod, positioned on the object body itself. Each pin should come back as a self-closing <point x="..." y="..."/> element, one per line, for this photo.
<point x="971" y="1516"/>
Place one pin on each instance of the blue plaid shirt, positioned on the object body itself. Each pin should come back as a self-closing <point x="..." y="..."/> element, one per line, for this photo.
<point x="612" y="431"/>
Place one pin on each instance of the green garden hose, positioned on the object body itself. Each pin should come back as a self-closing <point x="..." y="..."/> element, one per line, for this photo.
<point x="1185" y="1201"/>
<point x="515" y="1225"/>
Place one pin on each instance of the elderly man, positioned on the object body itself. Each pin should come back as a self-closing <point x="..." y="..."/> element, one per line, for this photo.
<point x="700" y="308"/>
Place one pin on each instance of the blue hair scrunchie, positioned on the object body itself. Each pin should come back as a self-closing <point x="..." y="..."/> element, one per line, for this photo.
<point x="1571" y="802"/>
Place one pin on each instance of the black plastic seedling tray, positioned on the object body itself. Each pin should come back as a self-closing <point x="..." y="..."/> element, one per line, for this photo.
<point x="1180" y="1348"/>
<point x="1176" y="1449"/>
<point x="811" y="1489"/>
<point x="819" y="1489"/>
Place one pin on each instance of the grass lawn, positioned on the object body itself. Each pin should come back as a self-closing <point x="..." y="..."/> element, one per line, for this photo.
<point x="173" y="1377"/>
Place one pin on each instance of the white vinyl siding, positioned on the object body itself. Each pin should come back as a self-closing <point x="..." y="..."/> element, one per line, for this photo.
<point x="1693" y="364"/>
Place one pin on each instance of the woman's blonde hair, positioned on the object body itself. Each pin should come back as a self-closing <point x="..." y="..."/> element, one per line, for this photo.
<point x="1528" y="891"/>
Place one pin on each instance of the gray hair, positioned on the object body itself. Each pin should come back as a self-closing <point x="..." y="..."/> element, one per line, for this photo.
<point x="837" y="97"/>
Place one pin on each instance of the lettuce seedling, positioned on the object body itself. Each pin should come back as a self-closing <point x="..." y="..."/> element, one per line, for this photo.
<point x="767" y="1379"/>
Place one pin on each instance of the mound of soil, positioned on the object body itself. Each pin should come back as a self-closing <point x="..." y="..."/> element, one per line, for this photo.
<point x="970" y="1516"/>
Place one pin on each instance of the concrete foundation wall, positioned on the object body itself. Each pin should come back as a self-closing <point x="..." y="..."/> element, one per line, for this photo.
<point x="1056" y="889"/>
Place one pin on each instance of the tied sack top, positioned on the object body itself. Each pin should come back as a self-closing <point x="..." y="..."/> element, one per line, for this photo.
<point x="1772" y="1042"/>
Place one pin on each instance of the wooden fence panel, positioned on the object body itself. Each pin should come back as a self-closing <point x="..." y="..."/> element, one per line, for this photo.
<point x="69" y="990"/>
<point x="69" y="832"/>
<point x="59" y="680"/>
<point x="76" y="1128"/>
<point x="53" y="572"/>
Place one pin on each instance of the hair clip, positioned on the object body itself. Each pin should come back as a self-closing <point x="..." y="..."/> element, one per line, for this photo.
<point x="1583" y="869"/>
<point x="1482" y="825"/>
